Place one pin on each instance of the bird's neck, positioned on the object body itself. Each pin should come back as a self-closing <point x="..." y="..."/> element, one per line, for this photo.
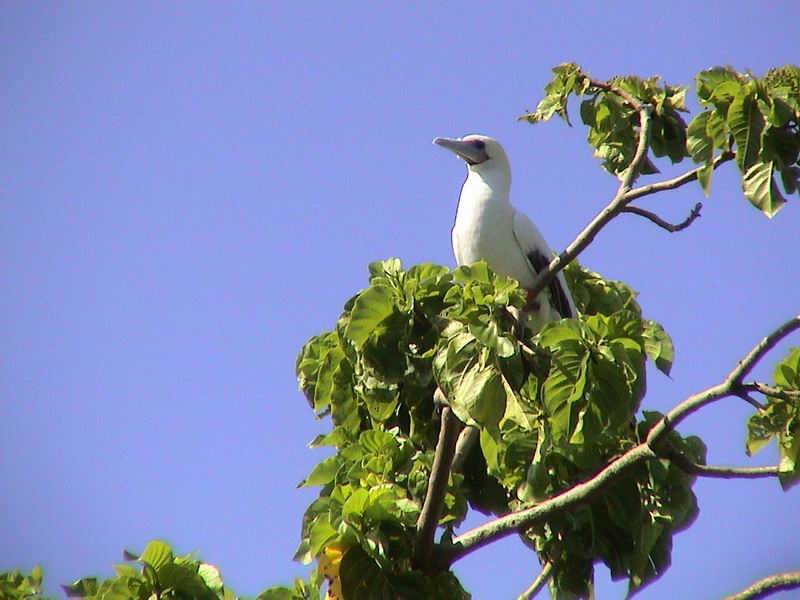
<point x="487" y="186"/>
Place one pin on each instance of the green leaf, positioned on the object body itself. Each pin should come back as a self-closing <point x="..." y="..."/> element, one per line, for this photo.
<point x="320" y="534"/>
<point x="210" y="575"/>
<point x="704" y="175"/>
<point x="480" y="397"/>
<point x="488" y="335"/>
<point x="746" y="124"/>
<point x="699" y="143"/>
<point x="564" y="386"/>
<point x="717" y="130"/>
<point x="156" y="554"/>
<point x="787" y="371"/>
<point x="323" y="473"/>
<point x="371" y="308"/>
<point x="276" y="592"/>
<point x="760" y="188"/>
<point x="363" y="579"/>
<point x="658" y="346"/>
<point x="708" y="81"/>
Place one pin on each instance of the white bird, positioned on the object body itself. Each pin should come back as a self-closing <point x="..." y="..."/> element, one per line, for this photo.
<point x="489" y="228"/>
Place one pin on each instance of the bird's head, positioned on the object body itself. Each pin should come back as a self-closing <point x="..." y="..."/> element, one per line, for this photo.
<point x="480" y="152"/>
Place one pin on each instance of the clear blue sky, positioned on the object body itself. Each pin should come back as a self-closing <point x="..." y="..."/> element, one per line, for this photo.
<point x="188" y="191"/>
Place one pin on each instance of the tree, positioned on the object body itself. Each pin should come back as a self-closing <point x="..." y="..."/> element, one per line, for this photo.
<point x="439" y="403"/>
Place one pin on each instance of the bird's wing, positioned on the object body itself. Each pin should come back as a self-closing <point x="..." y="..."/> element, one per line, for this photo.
<point x="538" y="253"/>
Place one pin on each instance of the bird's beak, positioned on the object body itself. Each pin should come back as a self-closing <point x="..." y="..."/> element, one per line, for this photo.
<point x="464" y="149"/>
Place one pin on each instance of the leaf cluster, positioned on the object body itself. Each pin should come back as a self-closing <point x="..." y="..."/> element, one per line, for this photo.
<point x="15" y="585"/>
<point x="780" y="420"/>
<point x="756" y="120"/>
<point x="551" y="407"/>
<point x="160" y="574"/>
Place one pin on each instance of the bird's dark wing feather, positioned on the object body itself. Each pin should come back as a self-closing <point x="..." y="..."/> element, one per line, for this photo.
<point x="558" y="295"/>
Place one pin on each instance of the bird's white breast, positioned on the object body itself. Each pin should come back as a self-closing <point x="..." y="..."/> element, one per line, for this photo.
<point x="484" y="230"/>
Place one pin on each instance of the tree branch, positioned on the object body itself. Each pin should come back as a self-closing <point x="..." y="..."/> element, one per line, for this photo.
<point x="584" y="491"/>
<point x="661" y="222"/>
<point x="676" y="182"/>
<point x="731" y="386"/>
<point x="538" y="583"/>
<point x="602" y="218"/>
<point x="750" y="400"/>
<point x="769" y="585"/>
<point x="437" y="486"/>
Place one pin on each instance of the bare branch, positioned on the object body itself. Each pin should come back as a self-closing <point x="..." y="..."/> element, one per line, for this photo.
<point x="730" y="387"/>
<point x="574" y="496"/>
<point x="676" y="182"/>
<point x="538" y="583"/>
<point x="768" y="586"/>
<point x="584" y="491"/>
<point x="437" y="486"/>
<point x="672" y="228"/>
<point x="693" y="468"/>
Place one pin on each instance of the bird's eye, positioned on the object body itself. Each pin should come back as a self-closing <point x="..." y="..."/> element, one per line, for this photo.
<point x="480" y="145"/>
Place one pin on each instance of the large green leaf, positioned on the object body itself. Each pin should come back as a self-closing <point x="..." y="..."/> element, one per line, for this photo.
<point x="761" y="190"/>
<point x="363" y="578"/>
<point x="156" y="554"/>
<point x="709" y="81"/>
<point x="746" y="124"/>
<point x="480" y="397"/>
<point x="658" y="346"/>
<point x="371" y="308"/>
<point x="699" y="143"/>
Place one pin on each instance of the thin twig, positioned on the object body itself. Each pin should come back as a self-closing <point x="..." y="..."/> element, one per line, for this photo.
<point x="769" y="390"/>
<point x="538" y="583"/>
<point x="610" y="87"/>
<point x="769" y="585"/>
<point x="437" y="487"/>
<point x="584" y="491"/>
<point x="750" y="400"/>
<point x="676" y="182"/>
<point x="672" y="228"/>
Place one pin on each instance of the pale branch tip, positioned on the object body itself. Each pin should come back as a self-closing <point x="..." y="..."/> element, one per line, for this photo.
<point x="538" y="584"/>
<point x="693" y="468"/>
<point x="768" y="586"/>
<point x="428" y="519"/>
<point x="672" y="228"/>
<point x="466" y="441"/>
